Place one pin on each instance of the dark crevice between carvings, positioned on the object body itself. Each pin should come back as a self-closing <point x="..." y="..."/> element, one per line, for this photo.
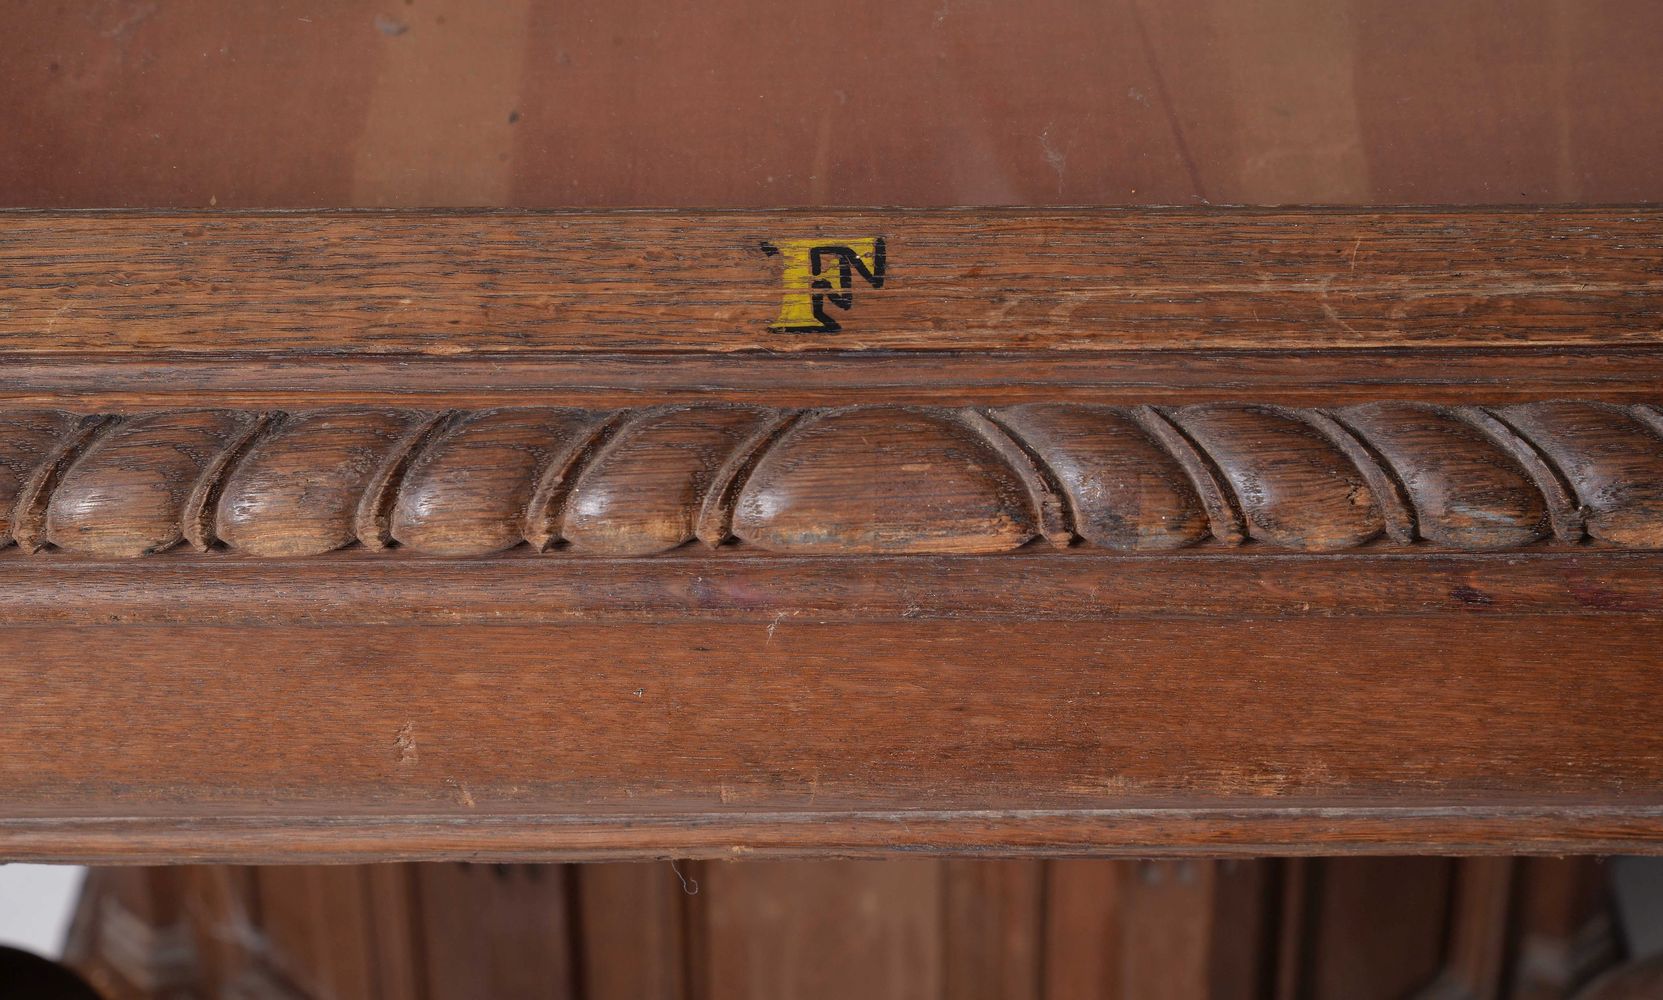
<point x="373" y="522"/>
<point x="1395" y="509"/>
<point x="547" y="506"/>
<point x="199" y="520"/>
<point x="714" y="523"/>
<point x="1650" y="416"/>
<point x="1565" y="513"/>
<point x="1217" y="500"/>
<point x="33" y="499"/>
<point x="1052" y="505"/>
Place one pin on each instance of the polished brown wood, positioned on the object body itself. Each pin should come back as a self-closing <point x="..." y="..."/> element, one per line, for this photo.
<point x="472" y="283"/>
<point x="1250" y="551"/>
<point x="1315" y="734"/>
<point x="854" y="481"/>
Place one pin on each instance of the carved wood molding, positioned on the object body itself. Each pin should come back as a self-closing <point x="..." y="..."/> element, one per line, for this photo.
<point x="855" y="480"/>
<point x="1271" y="531"/>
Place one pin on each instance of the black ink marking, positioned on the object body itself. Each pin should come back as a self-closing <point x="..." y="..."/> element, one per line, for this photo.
<point x="832" y="269"/>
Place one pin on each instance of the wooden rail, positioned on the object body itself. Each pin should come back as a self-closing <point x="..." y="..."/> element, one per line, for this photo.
<point x="539" y="535"/>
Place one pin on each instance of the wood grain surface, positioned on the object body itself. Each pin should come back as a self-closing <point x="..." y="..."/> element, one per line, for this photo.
<point x="704" y="739"/>
<point x="457" y="283"/>
<point x="848" y="481"/>
<point x="357" y="586"/>
<point x="136" y="382"/>
<point x="523" y="536"/>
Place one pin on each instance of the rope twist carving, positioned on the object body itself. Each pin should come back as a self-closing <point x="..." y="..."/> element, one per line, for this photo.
<point x="876" y="479"/>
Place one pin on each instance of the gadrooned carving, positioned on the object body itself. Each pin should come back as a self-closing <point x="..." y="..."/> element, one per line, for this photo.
<point x="856" y="480"/>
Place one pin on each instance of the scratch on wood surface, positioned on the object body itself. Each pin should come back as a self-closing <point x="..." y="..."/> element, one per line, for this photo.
<point x="1056" y="158"/>
<point x="406" y="743"/>
<point x="1158" y="81"/>
<point x="52" y="323"/>
<point x="462" y="794"/>
<point x="122" y="30"/>
<point x="1328" y="307"/>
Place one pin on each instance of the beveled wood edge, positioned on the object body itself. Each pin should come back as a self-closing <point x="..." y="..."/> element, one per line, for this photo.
<point x="1208" y="831"/>
<point x="150" y="381"/>
<point x="361" y="587"/>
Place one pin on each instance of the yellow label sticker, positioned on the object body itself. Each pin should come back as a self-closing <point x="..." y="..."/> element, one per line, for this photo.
<point x="818" y="274"/>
